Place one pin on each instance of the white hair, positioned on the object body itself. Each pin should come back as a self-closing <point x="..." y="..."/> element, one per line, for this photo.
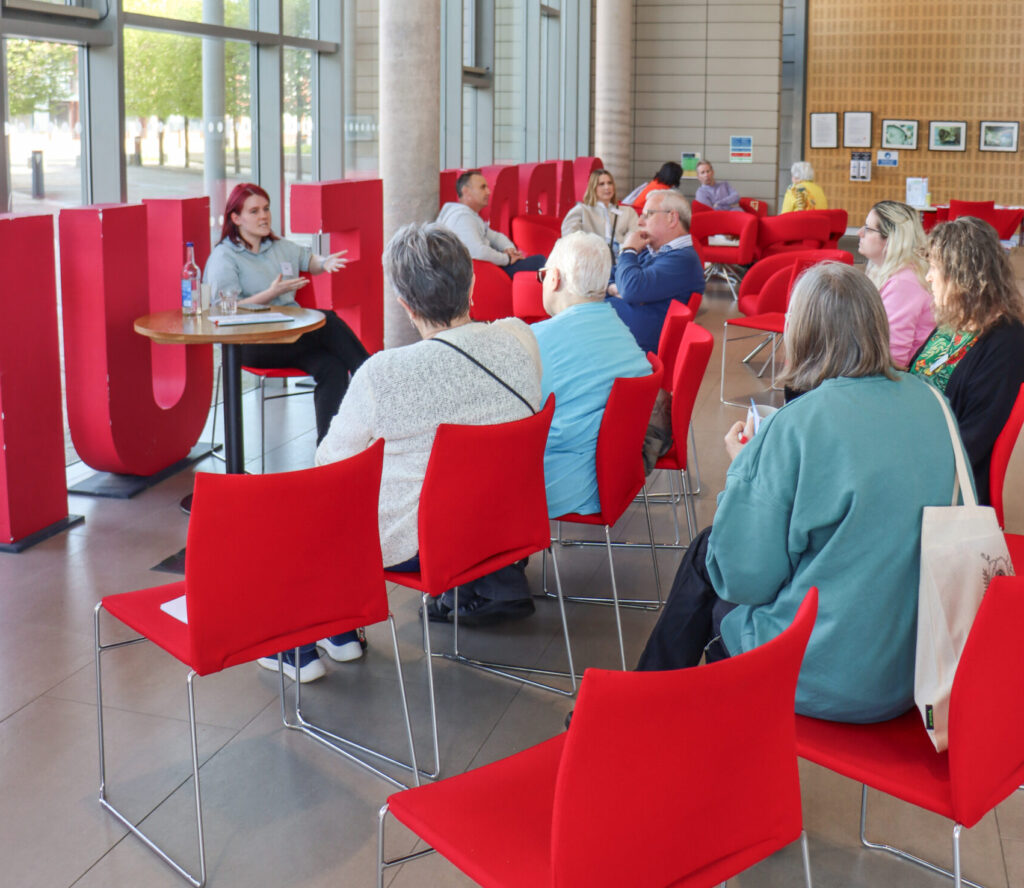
<point x="585" y="264"/>
<point x="802" y="171"/>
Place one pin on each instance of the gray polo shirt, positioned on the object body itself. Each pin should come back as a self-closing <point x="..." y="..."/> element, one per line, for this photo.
<point x="233" y="265"/>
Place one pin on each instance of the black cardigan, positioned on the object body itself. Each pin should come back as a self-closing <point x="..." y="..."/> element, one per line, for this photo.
<point x="982" y="390"/>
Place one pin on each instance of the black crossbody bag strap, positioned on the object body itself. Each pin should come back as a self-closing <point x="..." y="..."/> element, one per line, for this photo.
<point x="486" y="370"/>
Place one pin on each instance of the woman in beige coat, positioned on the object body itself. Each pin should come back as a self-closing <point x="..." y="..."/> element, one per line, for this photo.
<point x="601" y="214"/>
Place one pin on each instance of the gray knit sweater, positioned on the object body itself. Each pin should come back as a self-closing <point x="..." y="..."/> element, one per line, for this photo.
<point x="403" y="394"/>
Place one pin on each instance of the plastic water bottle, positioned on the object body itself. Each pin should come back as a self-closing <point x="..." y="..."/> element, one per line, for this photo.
<point x="191" y="298"/>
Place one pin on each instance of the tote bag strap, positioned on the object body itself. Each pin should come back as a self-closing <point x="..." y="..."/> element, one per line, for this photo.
<point x="962" y="480"/>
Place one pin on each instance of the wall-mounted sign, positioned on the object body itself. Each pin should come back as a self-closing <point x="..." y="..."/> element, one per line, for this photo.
<point x="741" y="149"/>
<point x="887" y="158"/>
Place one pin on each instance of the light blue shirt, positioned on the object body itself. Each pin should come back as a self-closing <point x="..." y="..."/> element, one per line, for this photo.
<point x="583" y="350"/>
<point x="829" y="493"/>
<point x="234" y="265"/>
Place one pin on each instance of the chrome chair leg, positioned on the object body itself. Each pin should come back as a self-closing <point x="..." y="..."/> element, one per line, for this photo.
<point x="105" y="803"/>
<point x="692" y="457"/>
<point x="654" y="550"/>
<point x="350" y="749"/>
<point x="382" y="862"/>
<point x="805" y="854"/>
<point x="615" y="597"/>
<point x="956" y="876"/>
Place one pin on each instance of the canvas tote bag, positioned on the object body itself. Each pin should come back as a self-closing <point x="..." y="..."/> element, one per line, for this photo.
<point x="962" y="548"/>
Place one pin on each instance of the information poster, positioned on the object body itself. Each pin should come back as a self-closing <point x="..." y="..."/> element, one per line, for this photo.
<point x="741" y="149"/>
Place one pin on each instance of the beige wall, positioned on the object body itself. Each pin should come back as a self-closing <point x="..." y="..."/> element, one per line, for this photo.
<point x="706" y="70"/>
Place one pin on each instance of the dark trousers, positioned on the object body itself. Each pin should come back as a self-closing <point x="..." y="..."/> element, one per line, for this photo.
<point x="528" y="263"/>
<point x="329" y="355"/>
<point x="692" y="616"/>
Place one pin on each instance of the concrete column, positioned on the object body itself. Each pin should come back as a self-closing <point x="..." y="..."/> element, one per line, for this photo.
<point x="613" y="87"/>
<point x="410" y="121"/>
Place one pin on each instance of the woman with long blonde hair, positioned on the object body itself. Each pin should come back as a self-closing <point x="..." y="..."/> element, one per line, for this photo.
<point x="600" y="213"/>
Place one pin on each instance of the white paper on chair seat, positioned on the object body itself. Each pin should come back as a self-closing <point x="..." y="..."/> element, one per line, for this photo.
<point x="176" y="608"/>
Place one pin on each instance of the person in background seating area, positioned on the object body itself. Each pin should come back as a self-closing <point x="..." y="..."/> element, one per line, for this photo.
<point x="717" y="195"/>
<point x="584" y="347"/>
<point x="463" y="218"/>
<point x="827" y="493"/>
<point x="891" y="239"/>
<point x="668" y="176"/>
<point x="657" y="263"/>
<point x="600" y="213"/>
<point x="403" y="394"/>
<point x="976" y="354"/>
<point x="804" y="193"/>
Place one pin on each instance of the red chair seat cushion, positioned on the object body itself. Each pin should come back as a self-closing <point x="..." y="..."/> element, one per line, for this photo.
<point x="463" y="820"/>
<point x="275" y="372"/>
<point x="895" y="756"/>
<point x="141" y="611"/>
<point x="772" y="322"/>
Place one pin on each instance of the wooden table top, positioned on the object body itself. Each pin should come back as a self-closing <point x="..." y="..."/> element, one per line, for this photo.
<point x="173" y="328"/>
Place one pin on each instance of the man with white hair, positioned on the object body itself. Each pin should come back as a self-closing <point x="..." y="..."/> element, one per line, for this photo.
<point x="657" y="263"/>
<point x="584" y="347"/>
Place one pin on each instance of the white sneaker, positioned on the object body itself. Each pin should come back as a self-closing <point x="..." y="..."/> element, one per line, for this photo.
<point x="342" y="648"/>
<point x="309" y="671"/>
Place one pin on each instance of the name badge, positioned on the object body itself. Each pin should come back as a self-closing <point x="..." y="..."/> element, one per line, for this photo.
<point x="287" y="269"/>
<point x="936" y="364"/>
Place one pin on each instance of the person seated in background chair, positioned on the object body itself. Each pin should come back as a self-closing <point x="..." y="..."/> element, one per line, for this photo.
<point x="462" y="372"/>
<point x="657" y="264"/>
<point x="828" y="493"/>
<point x="668" y="176"/>
<point x="584" y="347"/>
<point x="804" y="193"/>
<point x="600" y="213"/>
<point x="463" y="218"/>
<point x="717" y="195"/>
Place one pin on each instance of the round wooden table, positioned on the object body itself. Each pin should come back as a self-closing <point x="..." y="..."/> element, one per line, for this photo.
<point x="173" y="328"/>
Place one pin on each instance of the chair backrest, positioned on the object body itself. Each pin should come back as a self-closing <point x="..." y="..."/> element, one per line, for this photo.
<point x="986" y="722"/>
<point x="681" y="778"/>
<point x="791" y="231"/>
<point x="689" y="367"/>
<point x="492" y="292"/>
<point x="774" y="295"/>
<point x="620" y="440"/>
<point x="528" y="297"/>
<point x="319" y="572"/>
<point x="763" y="269"/>
<point x="697" y="207"/>
<point x="837" y="219"/>
<point x="753" y="205"/>
<point x="694" y="302"/>
<point x="958" y="208"/>
<point x="676" y="319"/>
<point x="723" y="222"/>
<point x="536" y="233"/>
<point x="1008" y="459"/>
<point x="483" y="499"/>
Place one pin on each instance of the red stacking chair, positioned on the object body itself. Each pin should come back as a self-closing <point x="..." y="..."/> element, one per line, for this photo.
<point x="689" y="367"/>
<point x="491" y="298"/>
<point x="958" y="208"/>
<point x="718" y="258"/>
<point x="528" y="298"/>
<point x="837" y="220"/>
<point x="620" y="476"/>
<point x="682" y="778"/>
<point x="697" y="207"/>
<point x="985" y="759"/>
<point x="1006" y="222"/>
<point x="536" y="234"/>
<point x="469" y="530"/>
<point x="677" y="317"/>
<point x="791" y="231"/>
<point x="1006" y="497"/>
<point x="752" y="205"/>
<point x="243" y="598"/>
<point x="763" y="269"/>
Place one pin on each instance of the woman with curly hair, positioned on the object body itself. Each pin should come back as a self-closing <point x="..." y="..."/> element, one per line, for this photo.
<point x="976" y="353"/>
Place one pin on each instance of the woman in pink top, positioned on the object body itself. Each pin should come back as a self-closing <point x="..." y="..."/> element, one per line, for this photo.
<point x="891" y="239"/>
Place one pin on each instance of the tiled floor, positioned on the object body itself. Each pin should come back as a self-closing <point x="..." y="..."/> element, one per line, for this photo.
<point x="280" y="810"/>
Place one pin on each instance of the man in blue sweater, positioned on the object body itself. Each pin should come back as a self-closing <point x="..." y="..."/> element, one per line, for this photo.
<point x="657" y="263"/>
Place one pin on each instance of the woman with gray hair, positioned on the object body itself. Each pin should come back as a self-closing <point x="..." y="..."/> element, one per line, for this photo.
<point x="584" y="347"/>
<point x="461" y="372"/>
<point x="827" y="493"/>
<point x="804" y="193"/>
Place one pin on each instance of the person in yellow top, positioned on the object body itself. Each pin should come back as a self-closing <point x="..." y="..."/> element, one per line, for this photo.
<point x="804" y="193"/>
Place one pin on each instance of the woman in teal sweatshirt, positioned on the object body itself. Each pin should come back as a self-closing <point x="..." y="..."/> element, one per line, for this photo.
<point x="828" y="493"/>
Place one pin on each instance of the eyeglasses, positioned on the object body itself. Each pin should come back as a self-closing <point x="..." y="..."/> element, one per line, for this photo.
<point x="646" y="214"/>
<point x="875" y="230"/>
<point x="541" y="273"/>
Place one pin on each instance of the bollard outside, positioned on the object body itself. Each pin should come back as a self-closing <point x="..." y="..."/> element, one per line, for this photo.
<point x="38" y="191"/>
<point x="137" y="156"/>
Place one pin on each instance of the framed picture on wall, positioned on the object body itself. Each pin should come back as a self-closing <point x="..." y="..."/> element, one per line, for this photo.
<point x="825" y="129"/>
<point x="900" y="135"/>
<point x="998" y="135"/>
<point x="947" y="135"/>
<point x="856" y="129"/>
